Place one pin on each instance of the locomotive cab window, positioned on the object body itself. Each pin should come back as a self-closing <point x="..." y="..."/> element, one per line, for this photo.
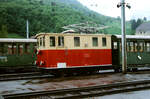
<point x="40" y="42"/>
<point x="77" y="41"/>
<point x="61" y="41"/>
<point x="52" y="41"/>
<point x="104" y="42"/>
<point x="95" y="41"/>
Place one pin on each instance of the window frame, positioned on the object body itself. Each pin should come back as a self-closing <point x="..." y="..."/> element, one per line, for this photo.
<point x="53" y="40"/>
<point x="104" y="41"/>
<point x="77" y="42"/>
<point x="95" y="44"/>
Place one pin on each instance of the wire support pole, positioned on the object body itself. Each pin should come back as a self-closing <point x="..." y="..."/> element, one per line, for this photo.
<point x="123" y="41"/>
<point x="27" y="29"/>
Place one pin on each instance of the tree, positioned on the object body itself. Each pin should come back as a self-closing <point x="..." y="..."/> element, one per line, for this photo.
<point x="145" y="19"/>
<point x="3" y="32"/>
<point x="139" y="21"/>
<point x="133" y="24"/>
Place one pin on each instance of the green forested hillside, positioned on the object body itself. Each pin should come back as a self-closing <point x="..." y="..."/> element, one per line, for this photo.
<point x="49" y="16"/>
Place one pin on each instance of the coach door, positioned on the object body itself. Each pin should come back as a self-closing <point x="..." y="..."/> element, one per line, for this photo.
<point x="115" y="51"/>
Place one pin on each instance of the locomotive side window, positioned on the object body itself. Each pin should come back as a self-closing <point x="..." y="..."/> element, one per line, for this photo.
<point x="104" y="42"/>
<point x="60" y="41"/>
<point x="52" y="41"/>
<point x="76" y="41"/>
<point x="95" y="41"/>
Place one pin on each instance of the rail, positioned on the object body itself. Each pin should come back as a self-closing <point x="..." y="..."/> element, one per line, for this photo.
<point x="84" y="91"/>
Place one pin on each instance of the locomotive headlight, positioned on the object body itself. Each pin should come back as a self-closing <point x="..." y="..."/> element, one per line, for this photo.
<point x="38" y="52"/>
<point x="41" y="62"/>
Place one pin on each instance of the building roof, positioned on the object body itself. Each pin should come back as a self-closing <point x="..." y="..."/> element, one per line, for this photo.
<point x="143" y="27"/>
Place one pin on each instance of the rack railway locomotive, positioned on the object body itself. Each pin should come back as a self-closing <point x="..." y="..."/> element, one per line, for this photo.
<point x="67" y="52"/>
<point x="89" y="52"/>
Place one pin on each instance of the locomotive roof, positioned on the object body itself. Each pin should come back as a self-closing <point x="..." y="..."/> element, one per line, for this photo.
<point x="145" y="37"/>
<point x="17" y="40"/>
<point x="70" y="34"/>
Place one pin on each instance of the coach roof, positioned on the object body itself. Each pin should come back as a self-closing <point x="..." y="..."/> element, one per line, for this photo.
<point x="11" y="40"/>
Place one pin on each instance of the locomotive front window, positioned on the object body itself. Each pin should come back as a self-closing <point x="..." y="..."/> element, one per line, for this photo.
<point x="104" y="42"/>
<point x="95" y="41"/>
<point x="60" y="41"/>
<point x="44" y="41"/>
<point x="76" y="41"/>
<point x="52" y="41"/>
<point x="40" y="41"/>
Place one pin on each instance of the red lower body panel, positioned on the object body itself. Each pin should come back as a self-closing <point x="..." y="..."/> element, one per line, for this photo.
<point x="74" y="58"/>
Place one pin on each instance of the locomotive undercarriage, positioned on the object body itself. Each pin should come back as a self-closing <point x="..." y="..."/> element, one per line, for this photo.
<point x="76" y="70"/>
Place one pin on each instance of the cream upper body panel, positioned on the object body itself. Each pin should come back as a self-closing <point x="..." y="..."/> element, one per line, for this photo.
<point x="73" y="41"/>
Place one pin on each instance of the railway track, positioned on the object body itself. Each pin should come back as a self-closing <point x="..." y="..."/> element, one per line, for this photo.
<point x="23" y="76"/>
<point x="83" y="91"/>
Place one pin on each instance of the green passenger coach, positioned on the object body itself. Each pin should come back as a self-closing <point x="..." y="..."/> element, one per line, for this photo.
<point x="138" y="51"/>
<point x="17" y="52"/>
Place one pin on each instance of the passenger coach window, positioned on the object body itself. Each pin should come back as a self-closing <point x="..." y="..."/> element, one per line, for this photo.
<point x="60" y="41"/>
<point x="148" y="47"/>
<point x="1" y="49"/>
<point x="115" y="46"/>
<point x="104" y="43"/>
<point x="52" y="41"/>
<point x="77" y="41"/>
<point x="131" y="47"/>
<point x="95" y="41"/>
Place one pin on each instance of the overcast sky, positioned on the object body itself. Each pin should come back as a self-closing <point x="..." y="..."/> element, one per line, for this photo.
<point x="139" y="8"/>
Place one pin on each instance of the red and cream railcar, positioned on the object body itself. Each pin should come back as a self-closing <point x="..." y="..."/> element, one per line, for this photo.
<point x="56" y="51"/>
